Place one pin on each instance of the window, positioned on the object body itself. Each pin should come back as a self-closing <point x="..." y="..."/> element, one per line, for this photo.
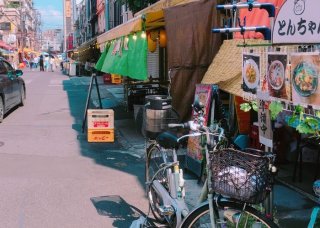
<point x="117" y="13"/>
<point x="3" y="69"/>
<point x="8" y="67"/>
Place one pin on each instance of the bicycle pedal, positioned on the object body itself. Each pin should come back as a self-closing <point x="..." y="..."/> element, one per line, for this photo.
<point x="166" y="210"/>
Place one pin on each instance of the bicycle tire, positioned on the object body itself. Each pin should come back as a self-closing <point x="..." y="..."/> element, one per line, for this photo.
<point x="200" y="216"/>
<point x="155" y="157"/>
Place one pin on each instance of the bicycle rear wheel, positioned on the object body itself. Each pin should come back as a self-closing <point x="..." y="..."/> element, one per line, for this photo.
<point x="155" y="157"/>
<point x="247" y="218"/>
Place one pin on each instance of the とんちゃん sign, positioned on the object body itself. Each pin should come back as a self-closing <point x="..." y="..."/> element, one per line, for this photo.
<point x="298" y="22"/>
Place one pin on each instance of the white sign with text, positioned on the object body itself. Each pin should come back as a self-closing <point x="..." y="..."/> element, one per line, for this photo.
<point x="298" y="21"/>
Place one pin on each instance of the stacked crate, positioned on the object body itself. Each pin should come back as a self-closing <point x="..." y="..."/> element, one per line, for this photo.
<point x="116" y="79"/>
<point x="100" y="125"/>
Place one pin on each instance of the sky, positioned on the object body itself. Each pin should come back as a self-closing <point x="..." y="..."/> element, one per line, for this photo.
<point x="51" y="13"/>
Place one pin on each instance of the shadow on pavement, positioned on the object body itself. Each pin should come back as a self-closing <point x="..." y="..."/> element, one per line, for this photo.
<point x="117" y="208"/>
<point x="77" y="90"/>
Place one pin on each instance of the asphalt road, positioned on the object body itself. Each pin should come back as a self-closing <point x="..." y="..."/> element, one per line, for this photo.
<point x="50" y="176"/>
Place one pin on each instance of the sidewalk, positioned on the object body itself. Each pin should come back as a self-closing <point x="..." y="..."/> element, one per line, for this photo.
<point x="292" y="209"/>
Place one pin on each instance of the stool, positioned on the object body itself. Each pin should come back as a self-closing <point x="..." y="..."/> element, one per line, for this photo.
<point x="312" y="144"/>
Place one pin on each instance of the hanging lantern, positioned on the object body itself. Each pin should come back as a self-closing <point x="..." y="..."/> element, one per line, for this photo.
<point x="162" y="38"/>
<point x="152" y="45"/>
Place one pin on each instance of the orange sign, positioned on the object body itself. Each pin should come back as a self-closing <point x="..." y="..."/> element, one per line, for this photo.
<point x="67" y="8"/>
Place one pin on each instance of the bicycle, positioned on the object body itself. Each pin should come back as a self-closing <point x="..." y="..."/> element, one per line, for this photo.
<point x="316" y="210"/>
<point x="166" y="191"/>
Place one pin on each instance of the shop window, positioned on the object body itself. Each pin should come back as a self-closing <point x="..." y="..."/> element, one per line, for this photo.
<point x="117" y="18"/>
<point x="3" y="69"/>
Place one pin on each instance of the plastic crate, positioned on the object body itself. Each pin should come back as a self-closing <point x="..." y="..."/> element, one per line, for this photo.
<point x="100" y="119"/>
<point x="106" y="135"/>
<point x="116" y="79"/>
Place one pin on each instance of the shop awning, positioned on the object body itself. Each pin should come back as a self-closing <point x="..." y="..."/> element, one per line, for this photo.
<point x="162" y="4"/>
<point x="226" y="68"/>
<point x="133" y="25"/>
<point x="5" y="46"/>
<point x="153" y="16"/>
<point x="84" y="52"/>
<point x="131" y="60"/>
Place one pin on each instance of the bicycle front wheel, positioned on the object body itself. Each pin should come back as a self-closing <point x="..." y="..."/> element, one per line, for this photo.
<point x="155" y="157"/>
<point x="231" y="214"/>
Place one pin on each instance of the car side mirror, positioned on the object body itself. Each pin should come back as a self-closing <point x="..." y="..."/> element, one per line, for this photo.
<point x="10" y="75"/>
<point x="19" y="73"/>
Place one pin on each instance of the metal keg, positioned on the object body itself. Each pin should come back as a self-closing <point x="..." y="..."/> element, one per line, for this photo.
<point x="158" y="114"/>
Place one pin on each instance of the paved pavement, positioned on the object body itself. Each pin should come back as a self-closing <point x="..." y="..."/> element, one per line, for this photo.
<point x="50" y="175"/>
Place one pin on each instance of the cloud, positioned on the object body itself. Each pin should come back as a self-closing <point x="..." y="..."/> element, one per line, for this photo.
<point x="51" y="17"/>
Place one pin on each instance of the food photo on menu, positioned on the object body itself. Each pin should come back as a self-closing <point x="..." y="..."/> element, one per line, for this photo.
<point x="305" y="68"/>
<point x="250" y="72"/>
<point x="277" y="76"/>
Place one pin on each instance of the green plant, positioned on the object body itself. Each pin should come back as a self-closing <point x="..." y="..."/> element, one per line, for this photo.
<point x="306" y="124"/>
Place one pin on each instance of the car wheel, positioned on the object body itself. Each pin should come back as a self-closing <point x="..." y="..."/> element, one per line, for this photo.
<point x="22" y="96"/>
<point x="1" y="110"/>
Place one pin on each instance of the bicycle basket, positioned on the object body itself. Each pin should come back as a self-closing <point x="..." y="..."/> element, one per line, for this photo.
<point x="240" y="175"/>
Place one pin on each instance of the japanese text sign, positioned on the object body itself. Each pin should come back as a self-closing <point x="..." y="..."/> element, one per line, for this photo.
<point x="298" y="21"/>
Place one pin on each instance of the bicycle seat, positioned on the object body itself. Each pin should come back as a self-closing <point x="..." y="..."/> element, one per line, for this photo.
<point x="168" y="140"/>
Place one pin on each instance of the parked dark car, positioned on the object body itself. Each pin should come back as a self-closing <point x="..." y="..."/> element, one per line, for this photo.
<point x="12" y="88"/>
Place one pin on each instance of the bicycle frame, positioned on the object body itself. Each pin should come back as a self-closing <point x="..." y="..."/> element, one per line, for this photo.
<point x="172" y="197"/>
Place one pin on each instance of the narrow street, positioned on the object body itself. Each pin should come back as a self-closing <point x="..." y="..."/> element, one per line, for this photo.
<point x="50" y="176"/>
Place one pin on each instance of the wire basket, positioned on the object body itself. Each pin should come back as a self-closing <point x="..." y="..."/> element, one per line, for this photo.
<point x="243" y="176"/>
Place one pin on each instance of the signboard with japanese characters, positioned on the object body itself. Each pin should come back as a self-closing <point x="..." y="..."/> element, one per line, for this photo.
<point x="265" y="129"/>
<point x="298" y="21"/>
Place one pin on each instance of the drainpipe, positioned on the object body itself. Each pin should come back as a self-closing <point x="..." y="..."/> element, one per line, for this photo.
<point x="106" y="13"/>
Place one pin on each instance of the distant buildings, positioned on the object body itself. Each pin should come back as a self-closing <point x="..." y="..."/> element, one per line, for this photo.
<point x="52" y="40"/>
<point x="20" y="24"/>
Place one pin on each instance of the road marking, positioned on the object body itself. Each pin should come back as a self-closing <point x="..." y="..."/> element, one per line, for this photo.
<point x="55" y="82"/>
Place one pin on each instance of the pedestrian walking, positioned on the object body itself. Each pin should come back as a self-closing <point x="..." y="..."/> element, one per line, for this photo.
<point x="51" y="64"/>
<point x="46" y="63"/>
<point x="41" y="63"/>
<point x="35" y="62"/>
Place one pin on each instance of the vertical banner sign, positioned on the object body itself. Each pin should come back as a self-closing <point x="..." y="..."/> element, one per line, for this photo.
<point x="68" y="8"/>
<point x="265" y="129"/>
<point x="202" y="94"/>
<point x="298" y="21"/>
<point x="194" y="156"/>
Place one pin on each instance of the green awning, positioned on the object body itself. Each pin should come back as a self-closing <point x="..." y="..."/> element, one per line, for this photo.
<point x="127" y="56"/>
<point x="102" y="58"/>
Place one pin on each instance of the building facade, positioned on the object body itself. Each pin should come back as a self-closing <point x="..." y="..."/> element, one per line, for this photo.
<point x="19" y="25"/>
<point x="52" y="40"/>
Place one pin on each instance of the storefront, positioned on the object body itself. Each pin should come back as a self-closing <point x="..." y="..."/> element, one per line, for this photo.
<point x="87" y="52"/>
<point x="279" y="78"/>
